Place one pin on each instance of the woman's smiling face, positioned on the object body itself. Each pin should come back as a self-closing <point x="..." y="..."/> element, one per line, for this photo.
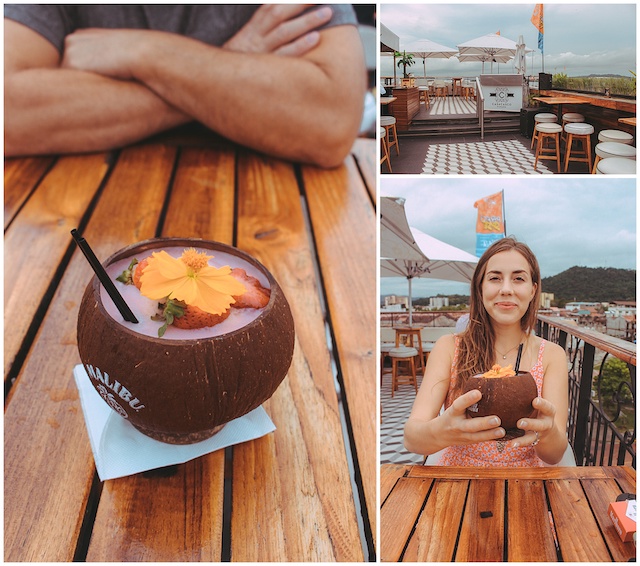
<point x="507" y="287"/>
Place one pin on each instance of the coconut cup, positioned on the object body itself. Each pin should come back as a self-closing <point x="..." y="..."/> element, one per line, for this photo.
<point x="184" y="391"/>
<point x="509" y="398"/>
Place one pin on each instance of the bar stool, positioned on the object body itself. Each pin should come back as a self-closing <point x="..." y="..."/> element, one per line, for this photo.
<point x="548" y="131"/>
<point x="605" y="150"/>
<point x="541" y="118"/>
<point x="385" y="348"/>
<point x="616" y="166"/>
<point x="615" y="136"/>
<point x="384" y="150"/>
<point x="423" y="92"/>
<point x="570" y="118"/>
<point x="389" y="124"/>
<point x="413" y="340"/>
<point x="398" y="356"/>
<point x="578" y="132"/>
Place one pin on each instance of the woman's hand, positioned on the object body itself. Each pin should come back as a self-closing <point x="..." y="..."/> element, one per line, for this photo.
<point x="457" y="428"/>
<point x="538" y="426"/>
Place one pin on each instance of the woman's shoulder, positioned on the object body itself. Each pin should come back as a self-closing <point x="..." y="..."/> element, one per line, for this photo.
<point x="552" y="351"/>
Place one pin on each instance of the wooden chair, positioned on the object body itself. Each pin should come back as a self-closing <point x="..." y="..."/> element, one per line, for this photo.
<point x="384" y="149"/>
<point x="581" y="132"/>
<point x="548" y="132"/>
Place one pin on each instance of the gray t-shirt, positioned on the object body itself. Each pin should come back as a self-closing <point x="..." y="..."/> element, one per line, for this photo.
<point x="212" y="24"/>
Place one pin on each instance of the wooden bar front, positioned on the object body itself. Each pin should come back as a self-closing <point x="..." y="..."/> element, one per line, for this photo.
<point x="405" y="107"/>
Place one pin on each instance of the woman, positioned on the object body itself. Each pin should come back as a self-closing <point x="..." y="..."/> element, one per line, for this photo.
<point x="505" y="292"/>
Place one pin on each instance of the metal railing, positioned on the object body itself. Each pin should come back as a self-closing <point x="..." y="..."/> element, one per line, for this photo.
<point x="602" y="396"/>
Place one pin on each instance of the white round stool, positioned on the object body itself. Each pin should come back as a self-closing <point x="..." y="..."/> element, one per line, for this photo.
<point x="615" y="136"/>
<point x="578" y="131"/>
<point x="384" y="149"/>
<point x="403" y="354"/>
<point x="547" y="131"/>
<point x="605" y="150"/>
<point x="616" y="166"/>
<point x="389" y="124"/>
<point x="540" y="118"/>
<point x="570" y="118"/>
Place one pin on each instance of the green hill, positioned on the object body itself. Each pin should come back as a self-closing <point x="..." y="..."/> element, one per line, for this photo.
<point x="601" y="284"/>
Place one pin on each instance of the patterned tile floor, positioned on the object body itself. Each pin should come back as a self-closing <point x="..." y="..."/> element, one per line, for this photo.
<point x="395" y="412"/>
<point x="483" y="157"/>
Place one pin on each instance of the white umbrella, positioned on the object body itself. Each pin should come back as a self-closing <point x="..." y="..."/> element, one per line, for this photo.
<point x="483" y="57"/>
<point x="396" y="239"/>
<point x="491" y="44"/>
<point x="443" y="261"/>
<point x="427" y="49"/>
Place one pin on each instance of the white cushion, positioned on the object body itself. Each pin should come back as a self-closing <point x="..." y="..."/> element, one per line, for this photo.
<point x="572" y="117"/>
<point x="545" y="117"/>
<point x="386" y="347"/>
<point x="615" y="136"/>
<point x="427" y="346"/>
<point x="616" y="166"/>
<point x="579" y="128"/>
<point x="383" y="132"/>
<point x="403" y="352"/>
<point x="387" y="120"/>
<point x="615" y="149"/>
<point x="548" y="128"/>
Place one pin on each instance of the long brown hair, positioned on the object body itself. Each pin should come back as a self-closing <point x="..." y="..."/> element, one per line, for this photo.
<point x="476" y="347"/>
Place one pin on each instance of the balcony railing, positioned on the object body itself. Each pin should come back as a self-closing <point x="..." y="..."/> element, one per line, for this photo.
<point x="602" y="409"/>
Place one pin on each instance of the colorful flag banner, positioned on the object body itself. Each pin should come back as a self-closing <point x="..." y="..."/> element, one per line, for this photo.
<point x="490" y="225"/>
<point x="537" y="19"/>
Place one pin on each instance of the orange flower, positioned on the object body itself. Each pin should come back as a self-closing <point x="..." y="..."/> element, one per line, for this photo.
<point x="191" y="279"/>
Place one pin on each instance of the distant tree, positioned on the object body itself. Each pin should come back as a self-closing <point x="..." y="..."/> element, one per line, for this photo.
<point x="615" y="373"/>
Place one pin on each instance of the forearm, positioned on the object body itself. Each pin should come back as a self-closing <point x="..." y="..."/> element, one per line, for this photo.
<point x="285" y="106"/>
<point x="552" y="445"/>
<point x="66" y="111"/>
<point x="422" y="437"/>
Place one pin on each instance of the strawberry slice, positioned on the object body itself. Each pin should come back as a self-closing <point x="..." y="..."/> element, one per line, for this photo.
<point x="255" y="296"/>
<point x="194" y="317"/>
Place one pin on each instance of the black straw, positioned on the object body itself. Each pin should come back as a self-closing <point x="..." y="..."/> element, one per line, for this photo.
<point x="124" y="309"/>
<point x="518" y="358"/>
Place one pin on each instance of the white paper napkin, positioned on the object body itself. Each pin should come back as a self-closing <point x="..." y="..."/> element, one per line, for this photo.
<point x="121" y="450"/>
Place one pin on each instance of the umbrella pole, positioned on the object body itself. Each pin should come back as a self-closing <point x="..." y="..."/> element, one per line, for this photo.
<point x="410" y="306"/>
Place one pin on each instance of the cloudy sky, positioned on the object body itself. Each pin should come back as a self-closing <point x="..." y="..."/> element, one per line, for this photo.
<point x="566" y="221"/>
<point x="580" y="39"/>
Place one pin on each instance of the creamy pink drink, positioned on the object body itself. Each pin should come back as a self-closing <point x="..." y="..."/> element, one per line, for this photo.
<point x="145" y="308"/>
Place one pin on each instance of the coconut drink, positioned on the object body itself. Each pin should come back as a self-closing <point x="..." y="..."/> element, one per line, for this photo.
<point x="505" y="393"/>
<point x="213" y="341"/>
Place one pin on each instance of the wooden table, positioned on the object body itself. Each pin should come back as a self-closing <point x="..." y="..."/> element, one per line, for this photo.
<point x="289" y="496"/>
<point x="559" y="101"/>
<point x="629" y="121"/>
<point x="443" y="514"/>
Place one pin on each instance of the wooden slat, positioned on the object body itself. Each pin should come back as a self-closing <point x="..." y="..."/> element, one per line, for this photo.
<point x="364" y="152"/>
<point x="436" y="534"/>
<point x="344" y="226"/>
<point x="399" y="514"/>
<point x="20" y="177"/>
<point x="453" y="472"/>
<point x="482" y="538"/>
<point x="36" y="242"/>
<point x="578" y="542"/>
<point x="178" y="518"/>
<point x="389" y="475"/>
<point x="624" y="475"/>
<point x="48" y="461"/>
<point x="600" y="493"/>
<point x="529" y="535"/>
<point x="305" y="487"/>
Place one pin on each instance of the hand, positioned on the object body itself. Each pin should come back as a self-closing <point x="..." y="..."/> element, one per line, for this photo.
<point x="281" y="29"/>
<point x="537" y="426"/>
<point x="107" y="52"/>
<point x="458" y="428"/>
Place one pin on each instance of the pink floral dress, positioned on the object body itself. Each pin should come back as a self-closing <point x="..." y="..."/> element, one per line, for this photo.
<point x="493" y="453"/>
